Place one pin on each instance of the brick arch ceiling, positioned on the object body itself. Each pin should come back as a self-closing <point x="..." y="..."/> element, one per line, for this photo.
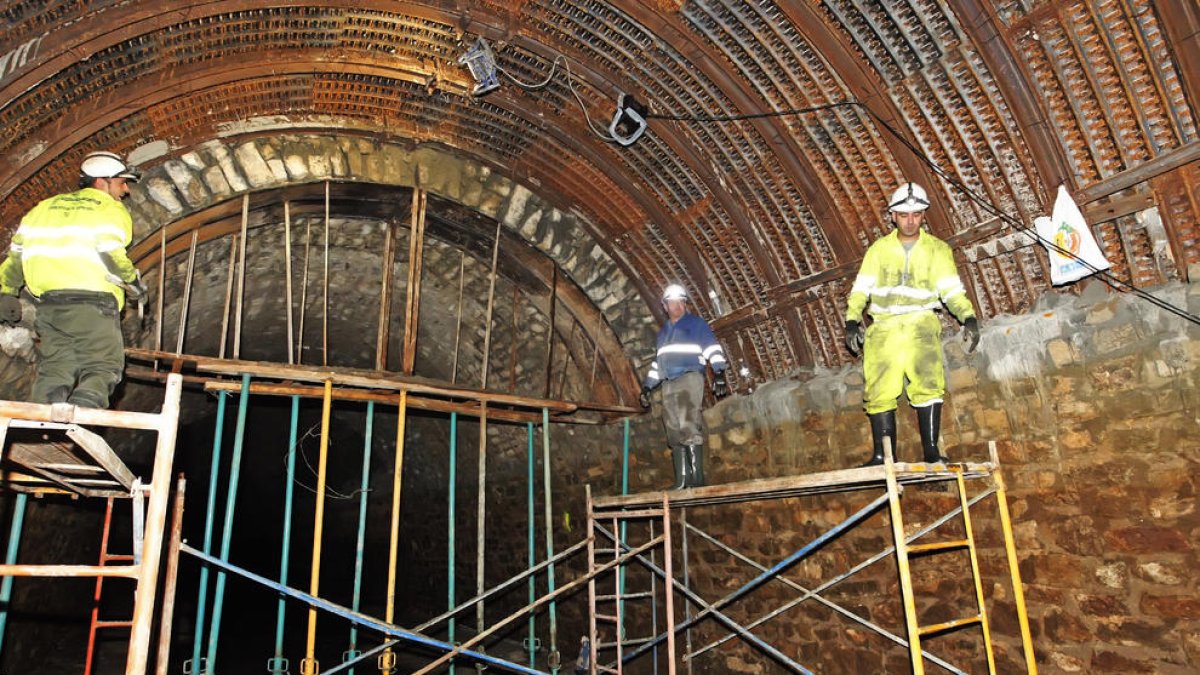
<point x="764" y="218"/>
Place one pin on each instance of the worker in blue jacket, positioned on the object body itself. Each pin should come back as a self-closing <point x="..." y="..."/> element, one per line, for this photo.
<point x="686" y="346"/>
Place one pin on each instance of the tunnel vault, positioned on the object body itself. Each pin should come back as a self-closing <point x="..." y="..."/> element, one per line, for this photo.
<point x="600" y="323"/>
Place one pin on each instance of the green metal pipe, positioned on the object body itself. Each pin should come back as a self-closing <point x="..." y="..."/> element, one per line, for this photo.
<point x="214" y="475"/>
<point x="553" y="652"/>
<point x="362" y="528"/>
<point x="10" y="558"/>
<point x="235" y="462"/>
<point x="624" y="525"/>
<point x="532" y="640"/>
<point x="450" y="516"/>
<point x="278" y="666"/>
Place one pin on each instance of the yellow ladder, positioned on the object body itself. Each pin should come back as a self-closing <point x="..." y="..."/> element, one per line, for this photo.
<point x="903" y="550"/>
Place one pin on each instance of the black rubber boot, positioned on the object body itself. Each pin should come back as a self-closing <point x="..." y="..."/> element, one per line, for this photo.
<point x="695" y="461"/>
<point x="883" y="425"/>
<point x="683" y="478"/>
<point x="929" y="420"/>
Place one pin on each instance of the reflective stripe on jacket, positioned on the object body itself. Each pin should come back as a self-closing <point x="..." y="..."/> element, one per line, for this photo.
<point x="897" y="281"/>
<point x="71" y="241"/>
<point x="685" y="346"/>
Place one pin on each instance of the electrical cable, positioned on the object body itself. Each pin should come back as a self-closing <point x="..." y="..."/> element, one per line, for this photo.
<point x="1104" y="275"/>
<point x="529" y="86"/>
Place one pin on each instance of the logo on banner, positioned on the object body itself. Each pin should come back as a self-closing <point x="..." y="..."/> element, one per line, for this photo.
<point x="1074" y="253"/>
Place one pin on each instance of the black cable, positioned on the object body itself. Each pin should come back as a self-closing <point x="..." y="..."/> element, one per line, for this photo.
<point x="1104" y="275"/>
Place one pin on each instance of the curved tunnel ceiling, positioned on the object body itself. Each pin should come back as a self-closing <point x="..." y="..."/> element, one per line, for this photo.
<point x="765" y="218"/>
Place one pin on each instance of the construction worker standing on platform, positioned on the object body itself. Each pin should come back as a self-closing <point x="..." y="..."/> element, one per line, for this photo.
<point x="686" y="346"/>
<point x="905" y="277"/>
<point x="69" y="252"/>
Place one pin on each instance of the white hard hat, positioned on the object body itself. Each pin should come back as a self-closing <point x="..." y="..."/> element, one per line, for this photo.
<point x="908" y="198"/>
<point x="674" y="292"/>
<point x="107" y="165"/>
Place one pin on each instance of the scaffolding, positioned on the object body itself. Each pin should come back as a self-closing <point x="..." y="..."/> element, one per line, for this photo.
<point x="612" y="650"/>
<point x="48" y="450"/>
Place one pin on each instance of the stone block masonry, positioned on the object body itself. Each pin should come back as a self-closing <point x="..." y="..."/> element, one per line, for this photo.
<point x="1094" y="405"/>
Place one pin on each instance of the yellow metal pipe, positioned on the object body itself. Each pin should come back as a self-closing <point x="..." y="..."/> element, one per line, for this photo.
<point x="949" y="625"/>
<point x="970" y="532"/>
<point x="310" y="663"/>
<point x="387" y="659"/>
<point x="906" y="588"/>
<point x="1011" y="551"/>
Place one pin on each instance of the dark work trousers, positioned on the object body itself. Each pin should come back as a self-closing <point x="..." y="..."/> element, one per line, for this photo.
<point x="82" y="350"/>
<point x="682" y="398"/>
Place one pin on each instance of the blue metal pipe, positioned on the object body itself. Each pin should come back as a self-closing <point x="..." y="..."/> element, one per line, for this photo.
<point x="235" y="462"/>
<point x="548" y="487"/>
<point x="214" y="475"/>
<point x="749" y="586"/>
<point x="450" y="517"/>
<point x="10" y="558"/>
<point x="285" y="547"/>
<point x="624" y="526"/>
<point x="362" y="526"/>
<point x="355" y="617"/>
<point x="532" y="640"/>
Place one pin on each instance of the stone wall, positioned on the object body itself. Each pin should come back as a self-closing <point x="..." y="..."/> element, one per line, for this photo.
<point x="1092" y="402"/>
<point x="217" y="171"/>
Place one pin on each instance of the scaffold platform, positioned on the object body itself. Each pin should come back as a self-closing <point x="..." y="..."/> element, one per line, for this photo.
<point x="665" y="513"/>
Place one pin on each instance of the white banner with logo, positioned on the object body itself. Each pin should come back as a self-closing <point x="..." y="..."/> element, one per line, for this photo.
<point x="1071" y="242"/>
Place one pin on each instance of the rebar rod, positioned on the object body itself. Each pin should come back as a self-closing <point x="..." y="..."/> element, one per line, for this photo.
<point x="287" y="274"/>
<point x="186" y="301"/>
<point x="241" y="279"/>
<point x="170" y="582"/>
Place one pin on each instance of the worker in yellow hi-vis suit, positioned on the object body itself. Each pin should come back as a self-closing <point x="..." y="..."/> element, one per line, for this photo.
<point x="904" y="279"/>
<point x="69" y="253"/>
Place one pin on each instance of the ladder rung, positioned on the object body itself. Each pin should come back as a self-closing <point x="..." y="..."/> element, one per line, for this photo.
<point x="628" y="596"/>
<point x="114" y="624"/>
<point x="939" y="546"/>
<point x="117" y="557"/>
<point x="639" y="513"/>
<point x="606" y="617"/>
<point x="605" y="669"/>
<point x="624" y="643"/>
<point x="949" y="625"/>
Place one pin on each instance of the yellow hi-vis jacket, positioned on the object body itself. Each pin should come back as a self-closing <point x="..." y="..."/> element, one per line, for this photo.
<point x="896" y="281"/>
<point x="72" y="241"/>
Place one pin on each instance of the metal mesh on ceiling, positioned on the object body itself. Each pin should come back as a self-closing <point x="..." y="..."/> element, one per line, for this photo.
<point x="771" y="214"/>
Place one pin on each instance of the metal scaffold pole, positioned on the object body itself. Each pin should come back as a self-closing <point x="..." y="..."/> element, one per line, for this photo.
<point x="310" y="665"/>
<point x="235" y="464"/>
<point x="278" y="665"/>
<point x="360" y="541"/>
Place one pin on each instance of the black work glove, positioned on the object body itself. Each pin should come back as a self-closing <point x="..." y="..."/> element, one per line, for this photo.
<point x="971" y="333"/>
<point x="855" y="336"/>
<point x="136" y="290"/>
<point x="644" y="397"/>
<point x="10" y="309"/>
<point x="720" y="385"/>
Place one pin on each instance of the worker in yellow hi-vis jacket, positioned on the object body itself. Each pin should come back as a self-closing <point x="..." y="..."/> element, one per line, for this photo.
<point x="904" y="279"/>
<point x="69" y="252"/>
